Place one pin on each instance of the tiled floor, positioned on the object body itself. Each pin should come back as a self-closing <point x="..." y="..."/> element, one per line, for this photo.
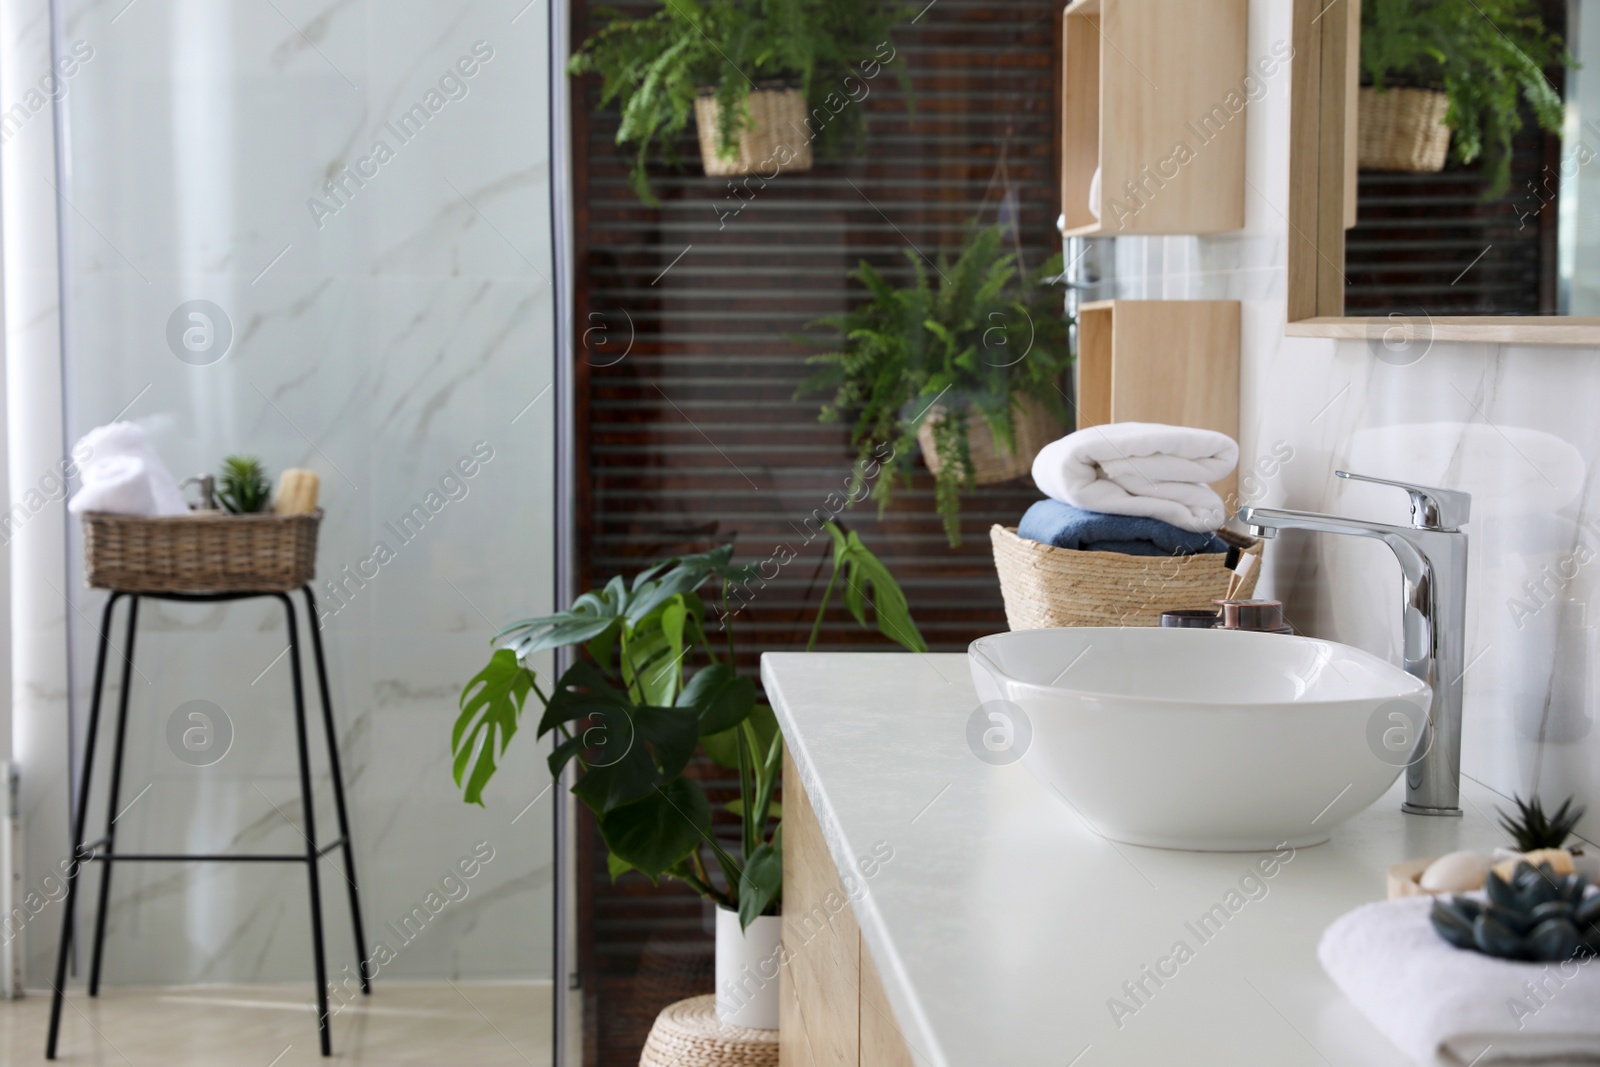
<point x="486" y="1025"/>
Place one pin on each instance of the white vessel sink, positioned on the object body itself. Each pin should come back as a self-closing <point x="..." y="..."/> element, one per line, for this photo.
<point x="1203" y="739"/>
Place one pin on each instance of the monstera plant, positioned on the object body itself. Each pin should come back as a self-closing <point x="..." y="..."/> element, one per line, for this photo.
<point x="650" y="684"/>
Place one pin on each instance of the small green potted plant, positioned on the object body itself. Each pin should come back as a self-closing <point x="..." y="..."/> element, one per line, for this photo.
<point x="763" y="79"/>
<point x="965" y="363"/>
<point x="1454" y="74"/>
<point x="647" y="687"/>
<point x="244" y="487"/>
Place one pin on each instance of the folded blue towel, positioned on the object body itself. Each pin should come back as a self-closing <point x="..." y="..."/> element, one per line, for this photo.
<point x="1065" y="526"/>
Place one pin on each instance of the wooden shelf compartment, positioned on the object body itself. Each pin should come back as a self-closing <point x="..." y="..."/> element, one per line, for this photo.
<point x="1171" y="361"/>
<point x="1154" y="95"/>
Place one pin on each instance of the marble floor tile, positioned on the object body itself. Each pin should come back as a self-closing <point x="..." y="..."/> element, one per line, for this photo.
<point x="484" y="1024"/>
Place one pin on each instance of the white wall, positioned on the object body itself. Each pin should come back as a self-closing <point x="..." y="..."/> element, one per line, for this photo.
<point x="377" y="344"/>
<point x="1515" y="426"/>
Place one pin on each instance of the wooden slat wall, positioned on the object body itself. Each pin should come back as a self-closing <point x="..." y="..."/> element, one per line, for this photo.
<point x="692" y="436"/>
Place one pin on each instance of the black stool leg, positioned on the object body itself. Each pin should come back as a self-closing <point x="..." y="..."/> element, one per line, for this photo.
<point x="77" y="830"/>
<point x="338" y="791"/>
<point x="311" y="827"/>
<point x="106" y="867"/>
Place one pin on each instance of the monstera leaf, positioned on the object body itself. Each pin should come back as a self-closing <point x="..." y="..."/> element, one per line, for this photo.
<point x="656" y="832"/>
<point x="629" y="749"/>
<point x="862" y="571"/>
<point x="490" y="706"/>
<point x="762" y="880"/>
<point x="720" y="698"/>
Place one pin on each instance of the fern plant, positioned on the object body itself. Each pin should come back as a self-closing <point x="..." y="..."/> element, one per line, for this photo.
<point x="244" y="487"/>
<point x="972" y="339"/>
<point x="656" y="66"/>
<point x="1488" y="56"/>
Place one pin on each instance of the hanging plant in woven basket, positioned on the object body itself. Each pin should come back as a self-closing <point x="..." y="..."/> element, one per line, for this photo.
<point x="963" y="364"/>
<point x="765" y="81"/>
<point x="1454" y="77"/>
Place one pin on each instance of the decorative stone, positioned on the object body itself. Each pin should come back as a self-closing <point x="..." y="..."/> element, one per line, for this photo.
<point x="1559" y="859"/>
<point x="1456" y="872"/>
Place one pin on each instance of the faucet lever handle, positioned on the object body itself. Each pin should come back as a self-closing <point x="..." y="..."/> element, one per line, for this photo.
<point x="1431" y="508"/>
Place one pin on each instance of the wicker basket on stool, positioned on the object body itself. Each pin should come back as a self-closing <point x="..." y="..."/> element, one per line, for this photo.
<point x="688" y="1034"/>
<point x="202" y="552"/>
<point x="1045" y="586"/>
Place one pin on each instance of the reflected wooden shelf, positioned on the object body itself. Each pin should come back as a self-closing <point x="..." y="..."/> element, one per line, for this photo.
<point x="1154" y="94"/>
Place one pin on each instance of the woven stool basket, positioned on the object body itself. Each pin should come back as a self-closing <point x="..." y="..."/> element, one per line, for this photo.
<point x="1402" y="129"/>
<point x="688" y="1034"/>
<point x="1044" y="586"/>
<point x="777" y="118"/>
<point x="1034" y="426"/>
<point x="202" y="552"/>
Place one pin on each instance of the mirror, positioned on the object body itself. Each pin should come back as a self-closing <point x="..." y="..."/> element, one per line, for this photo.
<point x="1470" y="153"/>
<point x="1440" y="170"/>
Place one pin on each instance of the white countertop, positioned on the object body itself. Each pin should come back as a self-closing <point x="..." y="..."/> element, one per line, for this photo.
<point x="1002" y="926"/>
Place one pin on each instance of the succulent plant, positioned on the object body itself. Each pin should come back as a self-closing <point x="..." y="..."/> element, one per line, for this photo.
<point x="244" y="486"/>
<point x="1532" y="829"/>
<point x="1537" y="915"/>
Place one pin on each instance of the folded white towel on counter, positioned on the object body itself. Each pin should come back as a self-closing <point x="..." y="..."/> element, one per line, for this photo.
<point x="1445" y="1005"/>
<point x="1140" y="468"/>
<point x="122" y="474"/>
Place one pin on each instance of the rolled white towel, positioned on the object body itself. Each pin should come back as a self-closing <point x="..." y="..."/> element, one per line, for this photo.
<point x="110" y="486"/>
<point x="1094" y="194"/>
<point x="118" y="484"/>
<point x="1442" y="1004"/>
<point x="1140" y="468"/>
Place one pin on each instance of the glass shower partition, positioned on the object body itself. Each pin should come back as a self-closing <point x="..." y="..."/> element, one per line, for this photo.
<point x="319" y="233"/>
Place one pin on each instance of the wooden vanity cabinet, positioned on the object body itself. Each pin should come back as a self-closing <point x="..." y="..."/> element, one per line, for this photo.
<point x="834" y="1012"/>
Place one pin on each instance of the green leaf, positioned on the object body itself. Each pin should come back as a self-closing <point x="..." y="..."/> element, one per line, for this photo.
<point x="616" y="866"/>
<point x="628" y="749"/>
<point x="762" y="883"/>
<point x="491" y="705"/>
<point x="660" y="829"/>
<point x="736" y="806"/>
<point x="720" y="698"/>
<point x="864" y="571"/>
<point x="723" y="748"/>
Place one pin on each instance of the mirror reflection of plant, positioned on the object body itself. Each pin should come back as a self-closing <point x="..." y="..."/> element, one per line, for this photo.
<point x="657" y="65"/>
<point x="629" y="716"/>
<point x="1488" y="56"/>
<point x="975" y="339"/>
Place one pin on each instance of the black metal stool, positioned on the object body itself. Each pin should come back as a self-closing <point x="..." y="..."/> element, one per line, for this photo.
<point x="103" y="848"/>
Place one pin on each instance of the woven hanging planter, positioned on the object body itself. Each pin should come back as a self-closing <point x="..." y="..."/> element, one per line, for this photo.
<point x="1034" y="427"/>
<point x="687" y="1034"/>
<point x="776" y="131"/>
<point x="202" y="552"/>
<point x="1403" y="129"/>
<point x="1044" y="586"/>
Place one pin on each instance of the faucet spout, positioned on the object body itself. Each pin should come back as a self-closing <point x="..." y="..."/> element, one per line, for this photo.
<point x="1433" y="565"/>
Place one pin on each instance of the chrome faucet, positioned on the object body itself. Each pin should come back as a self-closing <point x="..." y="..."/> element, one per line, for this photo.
<point x="1433" y="559"/>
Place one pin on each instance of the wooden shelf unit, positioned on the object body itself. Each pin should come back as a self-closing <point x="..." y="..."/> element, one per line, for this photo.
<point x="1154" y="95"/>
<point x="1172" y="361"/>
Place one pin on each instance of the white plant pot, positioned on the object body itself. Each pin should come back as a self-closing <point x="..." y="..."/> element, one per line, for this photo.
<point x="747" y="970"/>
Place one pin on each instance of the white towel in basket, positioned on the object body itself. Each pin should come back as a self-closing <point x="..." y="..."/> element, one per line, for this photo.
<point x="122" y="474"/>
<point x="1140" y="468"/>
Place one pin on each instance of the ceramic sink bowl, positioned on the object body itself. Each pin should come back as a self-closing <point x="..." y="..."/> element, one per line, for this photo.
<point x="1213" y="740"/>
